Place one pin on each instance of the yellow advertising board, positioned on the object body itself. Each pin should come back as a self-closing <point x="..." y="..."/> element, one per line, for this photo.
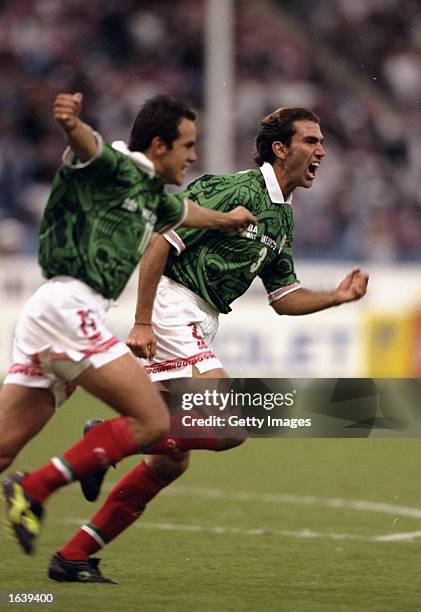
<point x="389" y="345"/>
<point x="394" y="345"/>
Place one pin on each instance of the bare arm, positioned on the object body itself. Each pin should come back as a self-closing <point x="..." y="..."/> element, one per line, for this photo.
<point x="141" y="339"/>
<point x="304" y="301"/>
<point x="237" y="219"/>
<point x="80" y="136"/>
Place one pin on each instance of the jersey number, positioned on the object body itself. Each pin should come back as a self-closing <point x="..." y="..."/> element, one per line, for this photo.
<point x="256" y="265"/>
<point x="147" y="233"/>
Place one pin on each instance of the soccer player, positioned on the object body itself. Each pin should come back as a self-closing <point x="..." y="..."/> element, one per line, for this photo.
<point x="104" y="205"/>
<point x="202" y="277"/>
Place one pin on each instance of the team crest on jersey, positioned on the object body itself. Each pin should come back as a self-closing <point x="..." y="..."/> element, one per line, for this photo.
<point x="130" y="205"/>
<point x="283" y="241"/>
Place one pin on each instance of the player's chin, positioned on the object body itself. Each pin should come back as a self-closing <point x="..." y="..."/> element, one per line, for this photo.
<point x="180" y="178"/>
<point x="307" y="181"/>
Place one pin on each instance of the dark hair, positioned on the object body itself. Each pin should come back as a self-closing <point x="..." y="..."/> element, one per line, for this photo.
<point x="158" y="116"/>
<point x="279" y="125"/>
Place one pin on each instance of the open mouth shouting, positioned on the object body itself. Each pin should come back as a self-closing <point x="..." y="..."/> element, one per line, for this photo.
<point x="312" y="169"/>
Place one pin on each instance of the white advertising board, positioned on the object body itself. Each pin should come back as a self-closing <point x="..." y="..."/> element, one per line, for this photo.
<point x="252" y="340"/>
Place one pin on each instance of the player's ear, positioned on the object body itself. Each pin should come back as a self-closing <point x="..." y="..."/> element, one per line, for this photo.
<point x="158" y="146"/>
<point x="280" y="150"/>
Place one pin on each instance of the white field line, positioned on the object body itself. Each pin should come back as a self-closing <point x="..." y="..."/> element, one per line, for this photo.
<point x="258" y="531"/>
<point x="285" y="498"/>
<point x="300" y="500"/>
<point x="398" y="537"/>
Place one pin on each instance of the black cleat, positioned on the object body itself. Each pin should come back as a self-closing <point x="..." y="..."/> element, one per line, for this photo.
<point x="62" y="570"/>
<point x="91" y="485"/>
<point x="23" y="513"/>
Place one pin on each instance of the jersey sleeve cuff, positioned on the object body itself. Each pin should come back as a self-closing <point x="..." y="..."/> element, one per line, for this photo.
<point x="175" y="241"/>
<point x="282" y="292"/>
<point x="68" y="156"/>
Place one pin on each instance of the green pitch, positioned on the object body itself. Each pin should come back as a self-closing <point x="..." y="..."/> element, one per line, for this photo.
<point x="302" y="525"/>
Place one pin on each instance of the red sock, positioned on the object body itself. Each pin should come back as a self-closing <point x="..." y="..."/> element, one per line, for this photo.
<point x="103" y="445"/>
<point x="44" y="481"/>
<point x="199" y="438"/>
<point x="123" y="506"/>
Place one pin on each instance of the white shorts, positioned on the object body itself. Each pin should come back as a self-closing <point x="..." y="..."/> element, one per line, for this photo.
<point x="185" y="327"/>
<point x="59" y="334"/>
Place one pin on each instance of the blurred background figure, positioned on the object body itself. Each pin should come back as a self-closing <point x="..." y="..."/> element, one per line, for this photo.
<point x="355" y="64"/>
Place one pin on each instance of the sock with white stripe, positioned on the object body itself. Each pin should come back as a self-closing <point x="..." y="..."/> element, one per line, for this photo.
<point x="102" y="446"/>
<point x="124" y="505"/>
<point x="47" y="479"/>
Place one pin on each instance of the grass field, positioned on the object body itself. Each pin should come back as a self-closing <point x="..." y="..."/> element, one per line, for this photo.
<point x="294" y="524"/>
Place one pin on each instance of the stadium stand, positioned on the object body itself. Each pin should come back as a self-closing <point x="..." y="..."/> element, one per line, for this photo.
<point x="356" y="64"/>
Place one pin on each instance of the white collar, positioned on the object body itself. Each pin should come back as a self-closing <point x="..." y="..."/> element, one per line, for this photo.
<point x="139" y="159"/>
<point x="272" y="185"/>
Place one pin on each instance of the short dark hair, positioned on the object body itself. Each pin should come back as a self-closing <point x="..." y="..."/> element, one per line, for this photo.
<point x="279" y="125"/>
<point x="158" y="116"/>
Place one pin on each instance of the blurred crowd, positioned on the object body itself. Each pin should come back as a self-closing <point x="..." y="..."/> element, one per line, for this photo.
<point x="356" y="64"/>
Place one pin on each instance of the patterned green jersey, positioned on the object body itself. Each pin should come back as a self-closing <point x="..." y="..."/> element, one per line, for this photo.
<point x="220" y="267"/>
<point x="100" y="216"/>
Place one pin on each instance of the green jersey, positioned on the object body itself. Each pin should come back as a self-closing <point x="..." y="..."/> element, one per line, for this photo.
<point x="220" y="267"/>
<point x="100" y="216"/>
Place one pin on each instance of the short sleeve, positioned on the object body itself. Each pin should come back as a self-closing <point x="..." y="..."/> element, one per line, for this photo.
<point x="175" y="241"/>
<point x="279" y="276"/>
<point x="102" y="164"/>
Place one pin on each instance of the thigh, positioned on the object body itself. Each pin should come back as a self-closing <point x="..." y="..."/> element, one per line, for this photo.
<point x="60" y="333"/>
<point x="23" y="413"/>
<point x="233" y="436"/>
<point x="124" y="385"/>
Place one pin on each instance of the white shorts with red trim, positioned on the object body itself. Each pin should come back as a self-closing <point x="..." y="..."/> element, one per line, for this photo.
<point x="185" y="327"/>
<point x="59" y="334"/>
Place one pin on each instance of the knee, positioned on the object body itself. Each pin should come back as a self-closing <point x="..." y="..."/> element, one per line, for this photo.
<point x="148" y="432"/>
<point x="168" y="468"/>
<point x="9" y="451"/>
<point x="5" y="462"/>
<point x="155" y="431"/>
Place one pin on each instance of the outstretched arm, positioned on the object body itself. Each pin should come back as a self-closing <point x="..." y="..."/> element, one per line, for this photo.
<point x="237" y="219"/>
<point x="80" y="136"/>
<point x="141" y="339"/>
<point x="304" y="301"/>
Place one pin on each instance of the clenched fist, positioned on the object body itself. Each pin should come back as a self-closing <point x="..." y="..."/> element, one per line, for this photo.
<point x="67" y="108"/>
